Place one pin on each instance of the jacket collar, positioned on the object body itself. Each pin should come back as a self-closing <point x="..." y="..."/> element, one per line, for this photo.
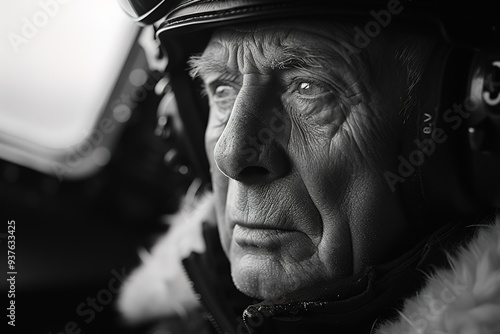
<point x="352" y="305"/>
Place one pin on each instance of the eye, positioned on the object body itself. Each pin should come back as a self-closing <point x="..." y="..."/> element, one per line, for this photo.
<point x="222" y="96"/>
<point x="224" y="92"/>
<point x="310" y="88"/>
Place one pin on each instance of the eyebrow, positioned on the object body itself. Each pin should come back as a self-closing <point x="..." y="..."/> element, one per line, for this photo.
<point x="304" y="57"/>
<point x="290" y="58"/>
<point x="201" y="65"/>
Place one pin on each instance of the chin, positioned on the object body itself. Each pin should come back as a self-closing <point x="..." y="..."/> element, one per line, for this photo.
<point x="261" y="278"/>
<point x="255" y="288"/>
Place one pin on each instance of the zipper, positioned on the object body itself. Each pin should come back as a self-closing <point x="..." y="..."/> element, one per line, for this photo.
<point x="190" y="277"/>
<point x="203" y="274"/>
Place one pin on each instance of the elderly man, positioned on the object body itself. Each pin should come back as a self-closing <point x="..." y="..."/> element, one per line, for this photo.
<point x="325" y="138"/>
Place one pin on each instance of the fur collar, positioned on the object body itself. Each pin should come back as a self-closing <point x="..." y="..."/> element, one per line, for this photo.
<point x="463" y="299"/>
<point x="159" y="287"/>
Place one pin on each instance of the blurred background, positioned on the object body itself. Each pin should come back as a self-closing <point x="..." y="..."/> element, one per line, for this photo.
<point x="89" y="166"/>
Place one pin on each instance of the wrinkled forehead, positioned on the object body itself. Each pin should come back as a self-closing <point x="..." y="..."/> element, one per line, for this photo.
<point x="287" y="30"/>
<point x="273" y="44"/>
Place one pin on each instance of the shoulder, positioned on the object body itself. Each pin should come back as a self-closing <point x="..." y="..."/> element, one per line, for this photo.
<point x="463" y="299"/>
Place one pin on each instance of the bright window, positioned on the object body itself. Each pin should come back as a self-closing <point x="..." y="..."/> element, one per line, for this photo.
<point x="59" y="62"/>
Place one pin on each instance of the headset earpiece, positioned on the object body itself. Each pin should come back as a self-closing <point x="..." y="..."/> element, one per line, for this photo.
<point x="452" y="146"/>
<point x="484" y="126"/>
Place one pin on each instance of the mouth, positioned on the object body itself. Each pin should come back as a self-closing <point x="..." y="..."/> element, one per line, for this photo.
<point x="263" y="237"/>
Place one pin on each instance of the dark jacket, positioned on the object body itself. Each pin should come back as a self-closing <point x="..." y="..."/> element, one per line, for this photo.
<point x="429" y="289"/>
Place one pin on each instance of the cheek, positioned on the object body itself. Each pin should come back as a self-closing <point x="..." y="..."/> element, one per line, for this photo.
<point x="219" y="184"/>
<point x="212" y="135"/>
<point x="213" y="132"/>
<point x="314" y="152"/>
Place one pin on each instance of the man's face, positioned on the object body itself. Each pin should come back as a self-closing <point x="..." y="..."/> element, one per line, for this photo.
<point x="299" y="136"/>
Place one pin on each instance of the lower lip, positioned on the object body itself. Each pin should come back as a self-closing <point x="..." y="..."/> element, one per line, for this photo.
<point x="266" y="239"/>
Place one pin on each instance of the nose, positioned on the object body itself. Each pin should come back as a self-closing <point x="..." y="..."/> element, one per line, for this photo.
<point x="251" y="147"/>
